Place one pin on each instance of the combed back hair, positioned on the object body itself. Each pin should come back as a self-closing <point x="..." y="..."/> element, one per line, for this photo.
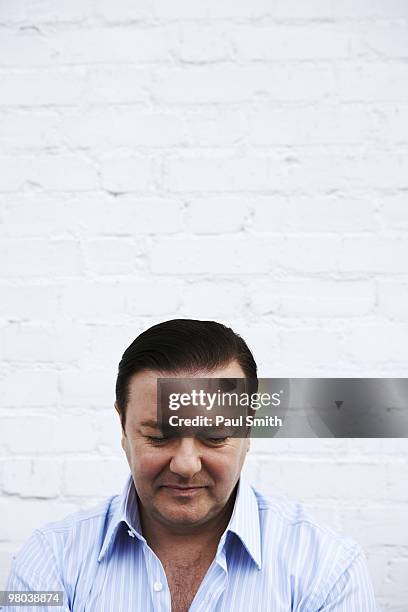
<point x="181" y="345"/>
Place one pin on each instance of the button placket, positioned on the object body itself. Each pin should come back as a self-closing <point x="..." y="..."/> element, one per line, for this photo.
<point x="157" y="580"/>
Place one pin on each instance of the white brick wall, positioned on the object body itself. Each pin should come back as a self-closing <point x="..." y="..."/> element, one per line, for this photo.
<point x="243" y="161"/>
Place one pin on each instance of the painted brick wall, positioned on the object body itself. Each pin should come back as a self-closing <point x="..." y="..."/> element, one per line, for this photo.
<point x="242" y="161"/>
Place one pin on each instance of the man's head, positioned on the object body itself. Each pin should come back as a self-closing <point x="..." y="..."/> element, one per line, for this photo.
<point x="183" y="482"/>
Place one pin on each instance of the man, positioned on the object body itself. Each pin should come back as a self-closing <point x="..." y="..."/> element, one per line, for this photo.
<point x="188" y="533"/>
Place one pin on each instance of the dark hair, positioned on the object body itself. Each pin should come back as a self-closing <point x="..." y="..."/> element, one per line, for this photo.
<point x="181" y="344"/>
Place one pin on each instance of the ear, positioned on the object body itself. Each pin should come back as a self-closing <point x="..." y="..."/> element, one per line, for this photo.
<point x="124" y="443"/>
<point x="120" y="416"/>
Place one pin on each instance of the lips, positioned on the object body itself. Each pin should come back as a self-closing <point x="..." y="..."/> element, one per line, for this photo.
<point x="182" y="488"/>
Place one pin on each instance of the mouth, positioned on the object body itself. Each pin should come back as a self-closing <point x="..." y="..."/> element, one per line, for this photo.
<point x="183" y="490"/>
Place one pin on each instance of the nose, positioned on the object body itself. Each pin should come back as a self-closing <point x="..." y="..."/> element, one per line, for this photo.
<point x="186" y="461"/>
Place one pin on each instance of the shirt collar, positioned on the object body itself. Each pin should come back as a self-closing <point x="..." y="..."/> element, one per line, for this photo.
<point x="244" y="522"/>
<point x="126" y="511"/>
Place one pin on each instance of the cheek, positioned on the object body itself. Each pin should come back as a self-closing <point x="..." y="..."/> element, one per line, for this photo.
<point x="223" y="467"/>
<point x="147" y="464"/>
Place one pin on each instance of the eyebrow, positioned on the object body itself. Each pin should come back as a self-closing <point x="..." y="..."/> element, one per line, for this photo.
<point x="151" y="423"/>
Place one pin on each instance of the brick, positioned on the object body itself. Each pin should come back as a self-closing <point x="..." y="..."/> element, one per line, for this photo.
<point x="24" y="48"/>
<point x="49" y="172"/>
<point x="335" y="170"/>
<point x="29" y="434"/>
<point x="377" y="344"/>
<point x="309" y="255"/>
<point x="127" y="214"/>
<point x="349" y="9"/>
<point x="87" y="387"/>
<point x="211" y="255"/>
<point x="217" y="126"/>
<point x="76" y="433"/>
<point x="126" y="173"/>
<point x="29" y="303"/>
<point x="298" y="346"/>
<point x="30" y="388"/>
<point x="313" y="298"/>
<point x="77" y="11"/>
<point x="393" y="299"/>
<point x="383" y="446"/>
<point x="319" y="214"/>
<point x="32" y="214"/>
<point x="204" y="44"/>
<point x="325" y="480"/>
<point x="333" y="125"/>
<point x="22" y="129"/>
<point x="215" y="174"/>
<point x="396" y="475"/>
<point x="301" y="170"/>
<point x="38" y="87"/>
<point x="22" y="516"/>
<point x="119" y="301"/>
<point x="394" y="129"/>
<point x="315" y="10"/>
<point x="217" y="215"/>
<point x="250" y="470"/>
<point x="109" y="434"/>
<point x="6" y="552"/>
<point x="108" y="342"/>
<point x="232" y="84"/>
<point x="154" y="298"/>
<point x="397" y="571"/>
<point x="113" y="256"/>
<point x="38" y="478"/>
<point x="125" y="12"/>
<point x="263" y="340"/>
<point x="364" y="525"/>
<point x="374" y="254"/>
<point x="299" y="447"/>
<point x="114" y="45"/>
<point x="372" y="81"/>
<point x="89" y="302"/>
<point x="38" y="258"/>
<point x="116" y="84"/>
<point x="123" y="127"/>
<point x="386" y="40"/>
<point x="182" y="9"/>
<point x="393" y="211"/>
<point x="208" y="299"/>
<point x="30" y="344"/>
<point x="350" y="255"/>
<point x="378" y="566"/>
<point x="45" y="11"/>
<point x="291" y="42"/>
<point x="98" y="478"/>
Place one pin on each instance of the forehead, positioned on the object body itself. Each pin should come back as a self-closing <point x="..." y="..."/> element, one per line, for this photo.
<point x="142" y="398"/>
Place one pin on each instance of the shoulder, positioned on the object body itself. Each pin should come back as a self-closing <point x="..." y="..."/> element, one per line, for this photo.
<point x="311" y="554"/>
<point x="290" y="518"/>
<point x="59" y="540"/>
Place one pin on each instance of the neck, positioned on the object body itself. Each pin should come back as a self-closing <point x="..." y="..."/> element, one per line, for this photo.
<point x="161" y="536"/>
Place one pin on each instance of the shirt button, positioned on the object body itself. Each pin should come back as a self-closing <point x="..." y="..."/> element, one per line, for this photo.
<point x="157" y="586"/>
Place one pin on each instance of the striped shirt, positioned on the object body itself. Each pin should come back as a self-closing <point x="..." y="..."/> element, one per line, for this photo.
<point x="272" y="556"/>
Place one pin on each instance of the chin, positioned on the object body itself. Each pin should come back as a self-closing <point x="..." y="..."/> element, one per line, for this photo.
<point x="183" y="516"/>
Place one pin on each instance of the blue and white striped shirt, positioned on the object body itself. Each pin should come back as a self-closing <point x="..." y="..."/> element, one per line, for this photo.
<point x="271" y="557"/>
